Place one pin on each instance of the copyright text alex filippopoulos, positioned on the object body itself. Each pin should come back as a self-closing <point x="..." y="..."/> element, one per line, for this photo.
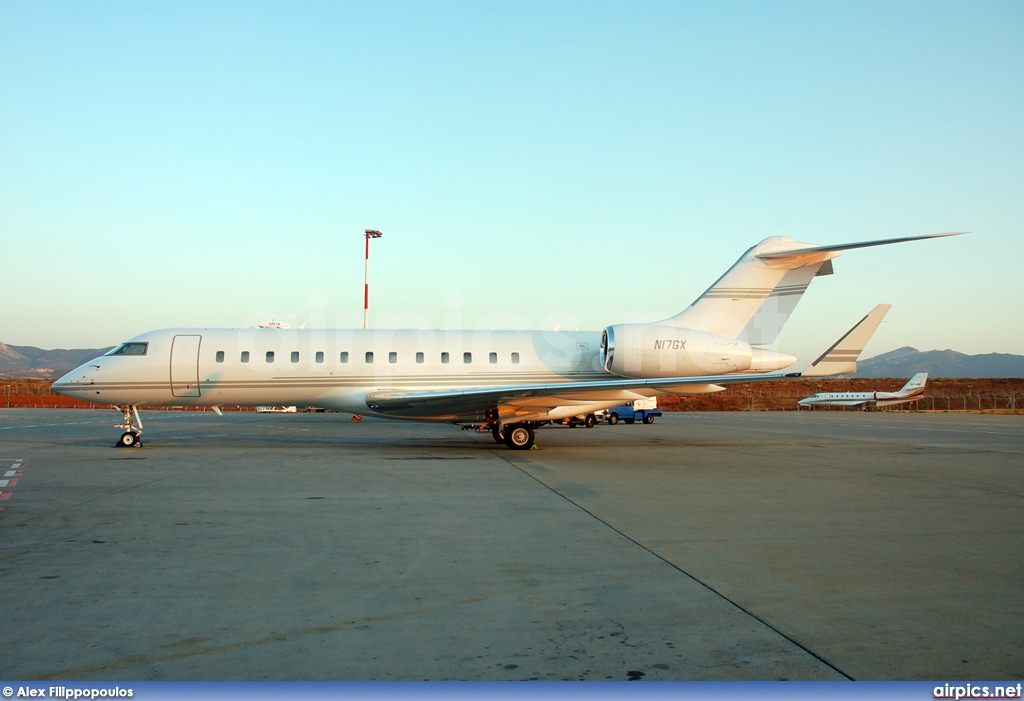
<point x="70" y="694"/>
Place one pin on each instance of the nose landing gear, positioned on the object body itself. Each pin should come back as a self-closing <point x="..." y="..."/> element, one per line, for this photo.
<point x="131" y="438"/>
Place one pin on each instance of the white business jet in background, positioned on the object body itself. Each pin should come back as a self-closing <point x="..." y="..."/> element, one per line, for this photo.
<point x="911" y="392"/>
<point x="512" y="381"/>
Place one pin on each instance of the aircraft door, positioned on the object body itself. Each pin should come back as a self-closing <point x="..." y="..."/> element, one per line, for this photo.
<point x="185" y="366"/>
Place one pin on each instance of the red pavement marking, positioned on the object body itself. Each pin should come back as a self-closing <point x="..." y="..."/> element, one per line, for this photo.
<point x="4" y="496"/>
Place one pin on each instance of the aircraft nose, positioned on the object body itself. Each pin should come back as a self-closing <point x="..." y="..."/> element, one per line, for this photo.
<point x="76" y="380"/>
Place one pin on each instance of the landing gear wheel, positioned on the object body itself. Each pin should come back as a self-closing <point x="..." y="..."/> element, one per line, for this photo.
<point x="573" y="423"/>
<point x="496" y="434"/>
<point x="519" y="436"/>
<point x="129" y="439"/>
<point x="590" y="421"/>
<point x="613" y="419"/>
<point x="649" y="419"/>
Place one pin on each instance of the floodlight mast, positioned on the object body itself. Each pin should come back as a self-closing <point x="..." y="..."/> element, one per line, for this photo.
<point x="370" y="234"/>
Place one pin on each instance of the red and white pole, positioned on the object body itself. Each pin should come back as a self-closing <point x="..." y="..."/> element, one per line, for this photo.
<point x="370" y="234"/>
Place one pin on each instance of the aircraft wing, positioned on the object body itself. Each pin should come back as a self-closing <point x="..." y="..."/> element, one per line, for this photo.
<point x="416" y="403"/>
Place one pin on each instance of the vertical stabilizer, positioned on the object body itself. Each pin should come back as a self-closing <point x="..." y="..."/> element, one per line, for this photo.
<point x="916" y="384"/>
<point x="754" y="298"/>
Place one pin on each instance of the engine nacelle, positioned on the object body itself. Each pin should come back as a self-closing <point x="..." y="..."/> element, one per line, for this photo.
<point x="649" y="350"/>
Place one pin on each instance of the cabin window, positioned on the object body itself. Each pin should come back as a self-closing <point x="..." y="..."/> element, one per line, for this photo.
<point x="319" y="356"/>
<point x="515" y="359"/>
<point x="492" y="358"/>
<point x="220" y="356"/>
<point x="270" y="356"/>
<point x="295" y="356"/>
<point x="419" y="357"/>
<point x="130" y="349"/>
<point x="344" y="356"/>
<point x="392" y="357"/>
<point x="444" y="357"/>
<point x="467" y="357"/>
<point x="245" y="356"/>
<point x="369" y="356"/>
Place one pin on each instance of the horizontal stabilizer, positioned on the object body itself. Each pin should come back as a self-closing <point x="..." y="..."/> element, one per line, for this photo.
<point x="778" y="255"/>
<point x="841" y="358"/>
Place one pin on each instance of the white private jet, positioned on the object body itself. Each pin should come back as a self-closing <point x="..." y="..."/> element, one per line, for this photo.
<point x="911" y="392"/>
<point x="511" y="381"/>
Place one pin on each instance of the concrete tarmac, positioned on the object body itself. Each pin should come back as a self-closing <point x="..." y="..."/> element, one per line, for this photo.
<point x="812" y="545"/>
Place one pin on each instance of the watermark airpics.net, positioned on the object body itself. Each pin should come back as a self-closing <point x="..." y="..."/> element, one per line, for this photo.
<point x="63" y="692"/>
<point x="977" y="691"/>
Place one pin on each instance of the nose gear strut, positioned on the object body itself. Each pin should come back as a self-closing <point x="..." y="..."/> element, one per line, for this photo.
<point x="131" y="438"/>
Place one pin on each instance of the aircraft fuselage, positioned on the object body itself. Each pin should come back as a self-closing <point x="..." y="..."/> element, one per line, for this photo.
<point x="333" y="369"/>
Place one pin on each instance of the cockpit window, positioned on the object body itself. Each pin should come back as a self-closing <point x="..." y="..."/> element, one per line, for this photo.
<point x="130" y="349"/>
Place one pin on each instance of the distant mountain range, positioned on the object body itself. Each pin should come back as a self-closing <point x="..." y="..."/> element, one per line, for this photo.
<point x="904" y="362"/>
<point x="30" y="362"/>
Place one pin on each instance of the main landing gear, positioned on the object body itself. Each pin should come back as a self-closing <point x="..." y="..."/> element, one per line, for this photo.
<point x="132" y="437"/>
<point x="515" y="436"/>
<point x="519" y="436"/>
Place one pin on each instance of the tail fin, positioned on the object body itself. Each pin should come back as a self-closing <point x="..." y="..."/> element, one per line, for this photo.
<point x="731" y="304"/>
<point x="756" y="296"/>
<point x="841" y="358"/>
<point x="916" y="384"/>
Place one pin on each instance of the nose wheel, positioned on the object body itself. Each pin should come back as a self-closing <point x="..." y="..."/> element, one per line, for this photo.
<point x="131" y="438"/>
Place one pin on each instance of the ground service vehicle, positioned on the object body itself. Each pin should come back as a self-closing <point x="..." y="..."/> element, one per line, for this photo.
<point x="641" y="410"/>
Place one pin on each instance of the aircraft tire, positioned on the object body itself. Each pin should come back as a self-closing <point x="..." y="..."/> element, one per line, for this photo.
<point x="590" y="421"/>
<point x="649" y="419"/>
<point x="613" y="419"/>
<point x="128" y="439"/>
<point x="519" y="436"/>
<point x="496" y="434"/>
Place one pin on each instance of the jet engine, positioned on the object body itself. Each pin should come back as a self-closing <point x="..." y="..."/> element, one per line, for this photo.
<point x="652" y="350"/>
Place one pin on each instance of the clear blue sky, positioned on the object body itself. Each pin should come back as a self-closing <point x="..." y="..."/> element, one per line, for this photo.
<point x="530" y="163"/>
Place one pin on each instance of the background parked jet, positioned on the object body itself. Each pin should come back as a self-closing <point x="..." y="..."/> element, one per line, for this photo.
<point x="911" y="392"/>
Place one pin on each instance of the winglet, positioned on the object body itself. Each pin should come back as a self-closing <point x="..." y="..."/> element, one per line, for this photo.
<point x="841" y="358"/>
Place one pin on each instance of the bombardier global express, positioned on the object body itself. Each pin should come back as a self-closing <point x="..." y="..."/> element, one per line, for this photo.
<point x="511" y="381"/>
